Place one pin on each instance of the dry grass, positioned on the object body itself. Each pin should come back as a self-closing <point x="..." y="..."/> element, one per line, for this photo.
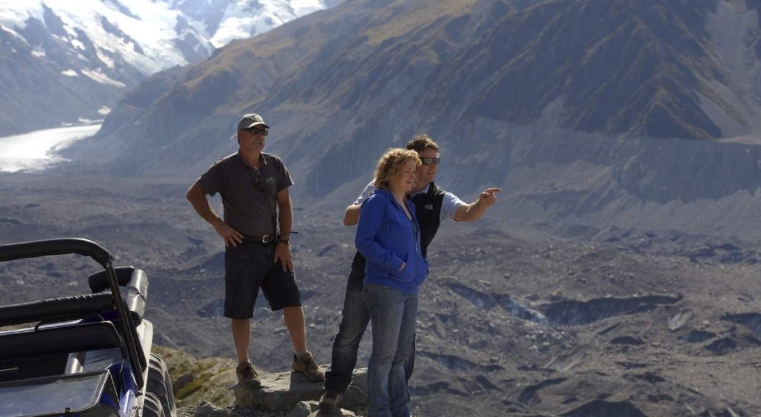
<point x="422" y="15"/>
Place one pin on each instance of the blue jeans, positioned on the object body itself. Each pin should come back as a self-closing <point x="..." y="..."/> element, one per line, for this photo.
<point x="393" y="314"/>
<point x="354" y="320"/>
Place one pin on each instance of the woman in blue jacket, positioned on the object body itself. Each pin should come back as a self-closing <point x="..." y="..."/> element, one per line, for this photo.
<point x="388" y="236"/>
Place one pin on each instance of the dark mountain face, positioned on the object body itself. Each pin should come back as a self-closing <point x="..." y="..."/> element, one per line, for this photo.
<point x="616" y="67"/>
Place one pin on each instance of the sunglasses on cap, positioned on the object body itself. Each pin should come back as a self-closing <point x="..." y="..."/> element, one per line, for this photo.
<point x="257" y="130"/>
<point x="258" y="183"/>
<point x="430" y="161"/>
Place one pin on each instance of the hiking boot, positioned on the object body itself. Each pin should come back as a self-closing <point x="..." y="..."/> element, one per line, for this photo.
<point x="329" y="401"/>
<point x="308" y="367"/>
<point x="247" y="375"/>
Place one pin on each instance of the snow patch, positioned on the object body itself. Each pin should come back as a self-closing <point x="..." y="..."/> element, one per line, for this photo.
<point x="15" y="15"/>
<point x="14" y="34"/>
<point x="85" y="121"/>
<point x="39" y="53"/>
<point x="241" y="21"/>
<point x="70" y="30"/>
<point x="102" y="78"/>
<point x="305" y="7"/>
<point x="76" y="43"/>
<point x="105" y="59"/>
<point x="199" y="26"/>
<point x="104" y="110"/>
<point x="232" y="28"/>
<point x="70" y="73"/>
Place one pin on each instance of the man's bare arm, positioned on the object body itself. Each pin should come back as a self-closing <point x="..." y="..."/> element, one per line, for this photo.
<point x="197" y="197"/>
<point x="285" y="216"/>
<point x="473" y="211"/>
<point x="285" y="219"/>
<point x="351" y="216"/>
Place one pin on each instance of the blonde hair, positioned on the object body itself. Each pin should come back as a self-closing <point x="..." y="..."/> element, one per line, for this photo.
<point x="390" y="163"/>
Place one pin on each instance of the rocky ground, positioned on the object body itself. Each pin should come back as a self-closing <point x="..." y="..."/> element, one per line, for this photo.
<point x="514" y="320"/>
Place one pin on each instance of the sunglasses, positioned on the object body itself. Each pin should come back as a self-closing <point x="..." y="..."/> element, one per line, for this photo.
<point x="430" y="161"/>
<point x="257" y="130"/>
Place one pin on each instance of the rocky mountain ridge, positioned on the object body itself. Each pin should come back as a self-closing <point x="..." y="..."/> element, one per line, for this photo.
<point x="567" y="126"/>
<point x="660" y="70"/>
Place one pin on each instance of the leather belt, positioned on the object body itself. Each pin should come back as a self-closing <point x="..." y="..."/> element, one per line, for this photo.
<point x="262" y="239"/>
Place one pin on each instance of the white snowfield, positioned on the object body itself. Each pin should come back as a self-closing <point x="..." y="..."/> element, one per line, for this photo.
<point x="240" y="21"/>
<point x="150" y="27"/>
<point x="153" y="30"/>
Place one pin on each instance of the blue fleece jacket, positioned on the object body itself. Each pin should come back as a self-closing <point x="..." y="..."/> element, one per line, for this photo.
<point x="387" y="239"/>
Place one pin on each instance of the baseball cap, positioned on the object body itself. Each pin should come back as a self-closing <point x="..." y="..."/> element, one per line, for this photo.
<point x="250" y="120"/>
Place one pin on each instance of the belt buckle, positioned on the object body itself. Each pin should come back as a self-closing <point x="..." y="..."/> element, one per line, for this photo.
<point x="267" y="238"/>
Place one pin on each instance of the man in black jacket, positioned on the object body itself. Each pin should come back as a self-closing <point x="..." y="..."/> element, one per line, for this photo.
<point x="432" y="206"/>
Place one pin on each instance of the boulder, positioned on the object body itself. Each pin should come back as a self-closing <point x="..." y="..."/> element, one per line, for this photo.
<point x="207" y="409"/>
<point x="311" y="409"/>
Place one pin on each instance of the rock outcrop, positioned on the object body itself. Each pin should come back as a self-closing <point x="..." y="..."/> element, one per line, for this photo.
<point x="284" y="391"/>
<point x="284" y="394"/>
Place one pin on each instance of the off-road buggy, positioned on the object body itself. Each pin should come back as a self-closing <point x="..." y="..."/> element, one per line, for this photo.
<point x="86" y="355"/>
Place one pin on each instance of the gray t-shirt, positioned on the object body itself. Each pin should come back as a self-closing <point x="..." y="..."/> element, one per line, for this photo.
<point x="448" y="205"/>
<point x="248" y="195"/>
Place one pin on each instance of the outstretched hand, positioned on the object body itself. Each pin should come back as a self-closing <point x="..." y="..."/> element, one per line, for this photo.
<point x="489" y="196"/>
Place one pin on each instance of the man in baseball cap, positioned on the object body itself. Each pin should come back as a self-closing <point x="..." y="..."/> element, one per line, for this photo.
<point x="256" y="229"/>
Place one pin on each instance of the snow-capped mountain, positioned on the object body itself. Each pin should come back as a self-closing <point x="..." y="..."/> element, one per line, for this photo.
<point x="74" y="59"/>
<point x="222" y="21"/>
